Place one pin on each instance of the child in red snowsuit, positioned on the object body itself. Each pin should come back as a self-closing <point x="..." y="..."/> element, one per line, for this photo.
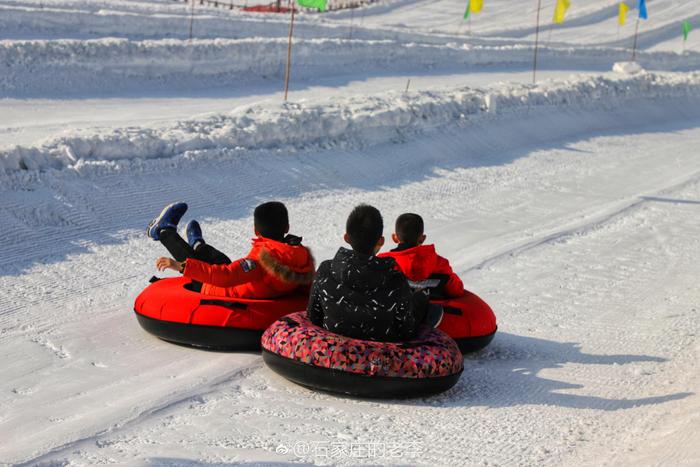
<point x="419" y="262"/>
<point x="276" y="265"/>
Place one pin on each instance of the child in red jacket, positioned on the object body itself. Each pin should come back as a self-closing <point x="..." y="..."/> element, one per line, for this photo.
<point x="419" y="262"/>
<point x="276" y="265"/>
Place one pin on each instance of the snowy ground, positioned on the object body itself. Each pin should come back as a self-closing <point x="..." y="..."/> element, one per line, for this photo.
<point x="571" y="207"/>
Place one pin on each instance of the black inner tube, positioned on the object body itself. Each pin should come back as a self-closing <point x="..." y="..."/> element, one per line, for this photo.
<point x="197" y="335"/>
<point x="353" y="384"/>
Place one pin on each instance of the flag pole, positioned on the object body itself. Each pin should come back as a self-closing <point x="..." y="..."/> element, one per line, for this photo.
<point x="634" y="46"/>
<point x="352" y="18"/>
<point x="289" y="54"/>
<point x="537" y="39"/>
<point x="191" y="19"/>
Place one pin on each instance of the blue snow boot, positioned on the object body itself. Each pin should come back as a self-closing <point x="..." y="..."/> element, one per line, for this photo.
<point x="194" y="233"/>
<point x="168" y="218"/>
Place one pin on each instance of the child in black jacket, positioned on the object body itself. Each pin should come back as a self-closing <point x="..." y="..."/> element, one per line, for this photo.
<point x="360" y="295"/>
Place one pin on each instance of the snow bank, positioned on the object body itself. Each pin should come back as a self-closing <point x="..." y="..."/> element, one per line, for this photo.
<point x="81" y="21"/>
<point x="627" y="68"/>
<point x="114" y="66"/>
<point x="347" y="123"/>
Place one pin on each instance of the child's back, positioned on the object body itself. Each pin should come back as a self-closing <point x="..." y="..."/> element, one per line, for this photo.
<point x="419" y="262"/>
<point x="359" y="295"/>
<point x="422" y="262"/>
<point x="362" y="296"/>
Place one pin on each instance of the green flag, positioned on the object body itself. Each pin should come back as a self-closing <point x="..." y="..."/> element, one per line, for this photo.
<point x="686" y="29"/>
<point x="468" y="10"/>
<point x="320" y="5"/>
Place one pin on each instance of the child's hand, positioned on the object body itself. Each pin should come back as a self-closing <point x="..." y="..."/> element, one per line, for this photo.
<point x="164" y="263"/>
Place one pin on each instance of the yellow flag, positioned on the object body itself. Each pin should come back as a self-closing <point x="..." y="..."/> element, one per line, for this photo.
<point x="475" y="6"/>
<point x="560" y="10"/>
<point x="623" y="13"/>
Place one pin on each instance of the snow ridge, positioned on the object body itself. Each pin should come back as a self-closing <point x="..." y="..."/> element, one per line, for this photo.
<point x="349" y="122"/>
<point x="112" y="66"/>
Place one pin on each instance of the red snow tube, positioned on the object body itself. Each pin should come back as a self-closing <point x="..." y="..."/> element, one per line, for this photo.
<point x="469" y="321"/>
<point x="316" y="358"/>
<point x="168" y="310"/>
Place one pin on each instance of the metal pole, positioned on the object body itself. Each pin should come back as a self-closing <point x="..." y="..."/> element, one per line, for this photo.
<point x="352" y="18"/>
<point x="191" y="19"/>
<point x="634" y="47"/>
<point x="289" y="56"/>
<point x="537" y="41"/>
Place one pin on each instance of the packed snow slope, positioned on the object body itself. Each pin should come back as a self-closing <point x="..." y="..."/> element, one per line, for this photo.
<point x="575" y="222"/>
<point x="569" y="205"/>
<point x="108" y="48"/>
<point x="589" y="22"/>
<point x="346" y="122"/>
<point x="586" y="22"/>
<point x="81" y="63"/>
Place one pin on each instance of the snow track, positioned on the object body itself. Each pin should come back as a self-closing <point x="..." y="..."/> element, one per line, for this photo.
<point x="517" y="219"/>
<point x="570" y="206"/>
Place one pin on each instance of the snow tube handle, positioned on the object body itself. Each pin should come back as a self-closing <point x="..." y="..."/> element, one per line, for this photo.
<point x="450" y="310"/>
<point x="224" y="303"/>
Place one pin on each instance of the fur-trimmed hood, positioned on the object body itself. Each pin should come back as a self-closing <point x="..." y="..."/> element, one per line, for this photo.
<point x="289" y="262"/>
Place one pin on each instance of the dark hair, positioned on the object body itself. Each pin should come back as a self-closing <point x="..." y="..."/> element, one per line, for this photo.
<point x="364" y="228"/>
<point x="271" y="220"/>
<point x="408" y="228"/>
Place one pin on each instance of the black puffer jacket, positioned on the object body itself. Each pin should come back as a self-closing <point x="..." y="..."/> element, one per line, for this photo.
<point x="364" y="297"/>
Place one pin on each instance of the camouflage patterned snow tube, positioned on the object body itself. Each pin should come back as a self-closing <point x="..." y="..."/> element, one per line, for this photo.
<point x="319" y="359"/>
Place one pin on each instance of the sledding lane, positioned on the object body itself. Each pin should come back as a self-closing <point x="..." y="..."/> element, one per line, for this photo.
<point x="596" y="314"/>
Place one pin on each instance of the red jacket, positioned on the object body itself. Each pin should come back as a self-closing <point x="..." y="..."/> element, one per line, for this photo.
<point x="420" y="262"/>
<point x="269" y="270"/>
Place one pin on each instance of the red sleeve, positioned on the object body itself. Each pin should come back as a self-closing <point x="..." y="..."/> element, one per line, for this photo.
<point x="454" y="286"/>
<point x="236" y="273"/>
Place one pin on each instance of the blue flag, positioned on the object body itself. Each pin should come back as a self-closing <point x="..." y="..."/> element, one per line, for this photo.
<point x="642" y="7"/>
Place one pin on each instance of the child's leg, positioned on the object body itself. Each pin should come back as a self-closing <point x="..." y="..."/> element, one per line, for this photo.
<point x="176" y="245"/>
<point x="211" y="255"/>
<point x="181" y="250"/>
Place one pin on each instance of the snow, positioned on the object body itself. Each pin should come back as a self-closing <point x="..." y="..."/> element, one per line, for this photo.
<point x="347" y="122"/>
<point x="569" y="205"/>
<point x="627" y="68"/>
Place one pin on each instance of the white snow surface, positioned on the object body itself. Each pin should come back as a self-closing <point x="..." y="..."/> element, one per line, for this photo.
<point x="115" y="66"/>
<point x="346" y="122"/>
<point x="570" y="205"/>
